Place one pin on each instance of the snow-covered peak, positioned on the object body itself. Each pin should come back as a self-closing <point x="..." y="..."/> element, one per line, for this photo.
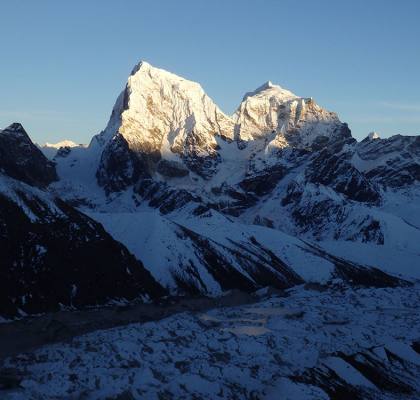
<point x="50" y="150"/>
<point x="373" y="136"/>
<point x="63" y="143"/>
<point x="163" y="125"/>
<point x="145" y="71"/>
<point x="167" y="107"/>
<point x="159" y="109"/>
<point x="162" y="116"/>
<point x="142" y="64"/>
<point x="270" y="109"/>
<point x="159" y="112"/>
<point x="270" y="90"/>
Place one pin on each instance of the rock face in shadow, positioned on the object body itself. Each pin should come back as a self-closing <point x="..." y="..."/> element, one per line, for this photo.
<point x="393" y="162"/>
<point x="336" y="171"/>
<point x="254" y="265"/>
<point x="53" y="256"/>
<point x="263" y="183"/>
<point x="171" y="169"/>
<point x="119" y="167"/>
<point x="22" y="160"/>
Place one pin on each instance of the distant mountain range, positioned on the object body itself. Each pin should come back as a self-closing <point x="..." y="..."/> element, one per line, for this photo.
<point x="176" y="197"/>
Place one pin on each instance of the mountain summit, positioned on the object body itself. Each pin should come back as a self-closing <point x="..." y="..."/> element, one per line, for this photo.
<point x="161" y="123"/>
<point x="261" y="90"/>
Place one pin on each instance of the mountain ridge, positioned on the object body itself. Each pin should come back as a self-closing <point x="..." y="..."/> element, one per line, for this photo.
<point x="288" y="164"/>
<point x="208" y="202"/>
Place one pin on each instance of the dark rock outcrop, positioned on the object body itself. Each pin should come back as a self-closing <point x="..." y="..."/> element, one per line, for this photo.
<point x="22" y="160"/>
<point x="337" y="172"/>
<point x="119" y="167"/>
<point x="171" y="169"/>
<point x="51" y="255"/>
<point x="263" y="183"/>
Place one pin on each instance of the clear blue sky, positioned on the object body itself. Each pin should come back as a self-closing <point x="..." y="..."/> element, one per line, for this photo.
<point x="63" y="63"/>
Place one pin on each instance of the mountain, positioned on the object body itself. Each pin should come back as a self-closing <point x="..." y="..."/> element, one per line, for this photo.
<point x="163" y="124"/>
<point x="52" y="255"/>
<point x="195" y="194"/>
<point x="174" y="197"/>
<point x="291" y="120"/>
<point x="21" y="159"/>
<point x="277" y="194"/>
<point x="63" y="143"/>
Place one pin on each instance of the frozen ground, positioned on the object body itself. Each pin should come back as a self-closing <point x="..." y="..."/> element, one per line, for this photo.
<point x="316" y="343"/>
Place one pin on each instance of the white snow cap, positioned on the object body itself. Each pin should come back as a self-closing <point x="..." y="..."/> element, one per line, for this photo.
<point x="373" y="136"/>
<point x="141" y="64"/>
<point x="270" y="87"/>
<point x="63" y="143"/>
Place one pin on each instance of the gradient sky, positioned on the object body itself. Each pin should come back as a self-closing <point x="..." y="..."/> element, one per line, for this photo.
<point x="63" y="63"/>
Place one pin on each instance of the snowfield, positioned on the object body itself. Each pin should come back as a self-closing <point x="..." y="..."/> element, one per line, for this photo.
<point x="315" y="343"/>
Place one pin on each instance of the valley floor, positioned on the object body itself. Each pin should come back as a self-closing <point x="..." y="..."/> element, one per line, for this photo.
<point x="314" y="343"/>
